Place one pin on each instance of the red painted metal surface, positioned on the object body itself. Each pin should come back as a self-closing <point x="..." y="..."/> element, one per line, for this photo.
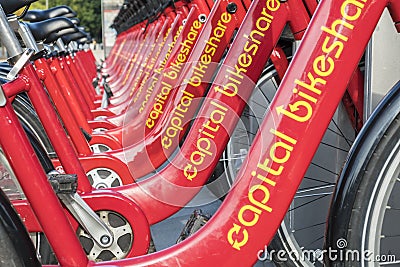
<point x="80" y="82"/>
<point x="26" y="167"/>
<point x="394" y="9"/>
<point x="69" y="94"/>
<point x="171" y="188"/>
<point x="75" y="94"/>
<point x="278" y="58"/>
<point x="99" y="201"/>
<point x="165" y="52"/>
<point x="183" y="86"/>
<point x="284" y="148"/>
<point x="53" y="88"/>
<point x="53" y="128"/>
<point x="280" y="154"/>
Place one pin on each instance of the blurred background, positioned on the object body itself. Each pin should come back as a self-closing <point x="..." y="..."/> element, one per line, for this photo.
<point x="95" y="15"/>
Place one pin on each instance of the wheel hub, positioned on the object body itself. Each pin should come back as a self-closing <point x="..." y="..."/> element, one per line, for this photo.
<point x="101" y="178"/>
<point x="123" y="238"/>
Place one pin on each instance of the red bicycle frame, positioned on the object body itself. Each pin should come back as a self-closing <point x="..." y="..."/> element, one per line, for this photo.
<point x="281" y="152"/>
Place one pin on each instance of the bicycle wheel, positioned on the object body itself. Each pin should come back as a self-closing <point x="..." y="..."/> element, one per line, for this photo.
<point x="304" y="225"/>
<point x="27" y="115"/>
<point x="366" y="229"/>
<point x="11" y="188"/>
<point x="16" y="248"/>
<point x="244" y="133"/>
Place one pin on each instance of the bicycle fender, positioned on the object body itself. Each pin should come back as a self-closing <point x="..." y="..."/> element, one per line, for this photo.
<point x="358" y="157"/>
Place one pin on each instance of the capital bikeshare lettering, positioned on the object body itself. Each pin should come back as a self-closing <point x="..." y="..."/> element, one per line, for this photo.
<point x="132" y="64"/>
<point x="198" y="71"/>
<point x="208" y="132"/>
<point x="211" y="47"/>
<point x="160" y="46"/>
<point x="235" y="78"/>
<point x="172" y="72"/>
<point x="154" y="78"/>
<point x="142" y="83"/>
<point x="148" y="67"/>
<point x="168" y="54"/>
<point x="142" y="68"/>
<point x="300" y="111"/>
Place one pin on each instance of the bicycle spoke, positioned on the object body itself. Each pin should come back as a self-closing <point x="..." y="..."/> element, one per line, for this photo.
<point x="348" y="141"/>
<point x="314" y="241"/>
<point x="313" y="188"/>
<point x="391" y="208"/>
<point x="316" y="180"/>
<point x="321" y="167"/>
<point x="341" y="133"/>
<point x="261" y="105"/>
<point x="310" y="226"/>
<point x="335" y="147"/>
<point x="304" y="204"/>
<point x="390" y="236"/>
<point x="252" y="115"/>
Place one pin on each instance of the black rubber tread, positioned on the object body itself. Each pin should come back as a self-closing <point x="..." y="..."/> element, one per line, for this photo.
<point x="16" y="248"/>
<point x="366" y="159"/>
<point x="27" y="114"/>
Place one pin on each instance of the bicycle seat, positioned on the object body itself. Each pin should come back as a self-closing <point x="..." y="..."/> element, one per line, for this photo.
<point x="55" y="35"/>
<point x="73" y="37"/>
<point x="76" y="21"/>
<point x="41" y="30"/>
<point x="4" y="69"/>
<point x="58" y="11"/>
<point x="83" y="40"/>
<point x="12" y="6"/>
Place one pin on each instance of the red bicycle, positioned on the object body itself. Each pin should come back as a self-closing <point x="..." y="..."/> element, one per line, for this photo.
<point x="284" y="128"/>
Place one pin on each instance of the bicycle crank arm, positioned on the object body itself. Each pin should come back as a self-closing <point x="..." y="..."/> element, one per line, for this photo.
<point x="88" y="219"/>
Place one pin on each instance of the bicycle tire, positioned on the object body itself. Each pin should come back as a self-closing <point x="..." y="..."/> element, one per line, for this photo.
<point x="14" y="191"/>
<point x="370" y="177"/>
<point x="27" y="115"/>
<point x="16" y="248"/>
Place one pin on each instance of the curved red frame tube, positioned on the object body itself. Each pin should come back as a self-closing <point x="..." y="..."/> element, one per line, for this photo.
<point x="240" y="241"/>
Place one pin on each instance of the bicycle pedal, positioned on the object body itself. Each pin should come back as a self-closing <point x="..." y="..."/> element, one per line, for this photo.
<point x="196" y="220"/>
<point x="63" y="183"/>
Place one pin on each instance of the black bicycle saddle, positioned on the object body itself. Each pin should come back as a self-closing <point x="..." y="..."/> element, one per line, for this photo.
<point x="76" y="21"/>
<point x="13" y="5"/>
<point x="84" y="40"/>
<point x="58" y="11"/>
<point x="73" y="36"/>
<point x="41" y="30"/>
<point x="55" y="35"/>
